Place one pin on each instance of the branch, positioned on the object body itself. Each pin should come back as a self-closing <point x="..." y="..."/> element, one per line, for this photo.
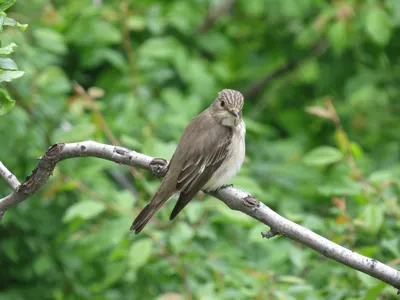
<point x="233" y="198"/>
<point x="8" y="176"/>
<point x="258" y="86"/>
<point x="213" y="14"/>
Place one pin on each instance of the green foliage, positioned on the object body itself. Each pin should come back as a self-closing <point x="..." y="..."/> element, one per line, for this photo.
<point x="8" y="68"/>
<point x="148" y="71"/>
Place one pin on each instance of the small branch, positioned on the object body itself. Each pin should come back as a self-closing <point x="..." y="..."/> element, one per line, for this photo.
<point x="9" y="177"/>
<point x="106" y="129"/>
<point x="213" y="14"/>
<point x="79" y="90"/>
<point x="258" y="86"/>
<point x="127" y="43"/>
<point x="233" y="198"/>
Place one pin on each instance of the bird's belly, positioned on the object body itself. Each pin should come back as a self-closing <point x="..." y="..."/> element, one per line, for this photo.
<point x="232" y="163"/>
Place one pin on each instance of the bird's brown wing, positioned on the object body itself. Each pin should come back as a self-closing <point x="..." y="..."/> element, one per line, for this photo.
<point x="201" y="165"/>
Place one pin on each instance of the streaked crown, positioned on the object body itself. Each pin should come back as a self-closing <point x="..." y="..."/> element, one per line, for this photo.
<point x="233" y="99"/>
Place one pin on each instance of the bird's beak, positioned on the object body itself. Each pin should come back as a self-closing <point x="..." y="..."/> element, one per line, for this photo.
<point x="234" y="113"/>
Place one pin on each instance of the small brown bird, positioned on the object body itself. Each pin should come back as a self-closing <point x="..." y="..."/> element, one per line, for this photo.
<point x="209" y="154"/>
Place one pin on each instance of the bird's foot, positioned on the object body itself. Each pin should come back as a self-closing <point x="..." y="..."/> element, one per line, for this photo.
<point x="270" y="234"/>
<point x="159" y="167"/>
<point x="224" y="186"/>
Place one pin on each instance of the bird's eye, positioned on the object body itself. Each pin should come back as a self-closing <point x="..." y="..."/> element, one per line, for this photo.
<point x="222" y="103"/>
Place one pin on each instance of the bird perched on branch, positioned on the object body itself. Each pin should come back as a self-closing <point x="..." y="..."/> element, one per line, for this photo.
<point x="209" y="154"/>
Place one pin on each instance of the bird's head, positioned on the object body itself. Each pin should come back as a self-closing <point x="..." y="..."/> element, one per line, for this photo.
<point x="227" y="107"/>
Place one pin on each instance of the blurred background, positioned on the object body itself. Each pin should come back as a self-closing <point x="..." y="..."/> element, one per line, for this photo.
<point x="321" y="81"/>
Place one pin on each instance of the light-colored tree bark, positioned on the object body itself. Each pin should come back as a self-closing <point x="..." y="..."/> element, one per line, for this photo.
<point x="235" y="199"/>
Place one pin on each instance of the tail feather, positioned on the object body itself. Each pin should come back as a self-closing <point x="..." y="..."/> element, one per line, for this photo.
<point x="183" y="200"/>
<point x="148" y="212"/>
<point x="145" y="215"/>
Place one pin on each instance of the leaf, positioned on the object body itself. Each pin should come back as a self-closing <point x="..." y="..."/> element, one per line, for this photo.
<point x="76" y="133"/>
<point x="53" y="80"/>
<point x="374" y="292"/>
<point x="140" y="253"/>
<point x="381" y="176"/>
<point x="7" y="49"/>
<point x="345" y="187"/>
<point x="377" y="25"/>
<point x="50" y="40"/>
<point x="320" y="112"/>
<point x="180" y="237"/>
<point x="6" y="103"/>
<point x="338" y="37"/>
<point x="7" y="64"/>
<point x="86" y="210"/>
<point x="124" y="200"/>
<point x="373" y="216"/>
<point x="310" y="71"/>
<point x="136" y="23"/>
<point x="322" y="156"/>
<point x="12" y="23"/>
<point x="10" y="75"/>
<point x="159" y="47"/>
<point x="5" y="4"/>
<point x="356" y="150"/>
<point x="291" y="279"/>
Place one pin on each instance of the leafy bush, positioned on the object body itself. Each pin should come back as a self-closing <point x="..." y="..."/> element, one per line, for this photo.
<point x="322" y="145"/>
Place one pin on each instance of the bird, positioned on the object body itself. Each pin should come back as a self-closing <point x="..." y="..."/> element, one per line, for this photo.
<point x="210" y="153"/>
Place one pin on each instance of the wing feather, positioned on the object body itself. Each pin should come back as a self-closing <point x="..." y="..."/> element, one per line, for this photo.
<point x="198" y="170"/>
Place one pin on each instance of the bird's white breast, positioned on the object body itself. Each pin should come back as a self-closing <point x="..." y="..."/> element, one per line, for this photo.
<point x="234" y="160"/>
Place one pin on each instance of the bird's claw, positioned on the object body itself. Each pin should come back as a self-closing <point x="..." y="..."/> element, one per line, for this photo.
<point x="225" y="186"/>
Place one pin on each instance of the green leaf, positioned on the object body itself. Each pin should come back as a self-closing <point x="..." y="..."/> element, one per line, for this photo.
<point x="136" y="23"/>
<point x="77" y="133"/>
<point x="378" y="26"/>
<point x="86" y="210"/>
<point x="124" y="200"/>
<point x="5" y="4"/>
<point x="374" y="292"/>
<point x="140" y="253"/>
<point x="373" y="215"/>
<point x="180" y="237"/>
<point x="50" y="40"/>
<point x="10" y="75"/>
<point x="53" y="80"/>
<point x="12" y="23"/>
<point x="344" y="187"/>
<point x="7" y="64"/>
<point x="338" y="36"/>
<point x="310" y="71"/>
<point x="6" y="103"/>
<point x="7" y="49"/>
<point x="159" y="47"/>
<point x="322" y="156"/>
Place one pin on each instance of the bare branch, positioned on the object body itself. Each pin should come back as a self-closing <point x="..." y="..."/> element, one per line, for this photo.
<point x="8" y="176"/>
<point x="233" y="198"/>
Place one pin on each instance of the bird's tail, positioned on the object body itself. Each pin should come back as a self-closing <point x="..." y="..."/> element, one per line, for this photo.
<point x="148" y="212"/>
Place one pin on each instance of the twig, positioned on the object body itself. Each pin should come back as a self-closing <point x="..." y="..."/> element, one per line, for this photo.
<point x="9" y="177"/>
<point x="213" y="14"/>
<point x="127" y="43"/>
<point x="81" y="92"/>
<point x="258" y="86"/>
<point x="233" y="198"/>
